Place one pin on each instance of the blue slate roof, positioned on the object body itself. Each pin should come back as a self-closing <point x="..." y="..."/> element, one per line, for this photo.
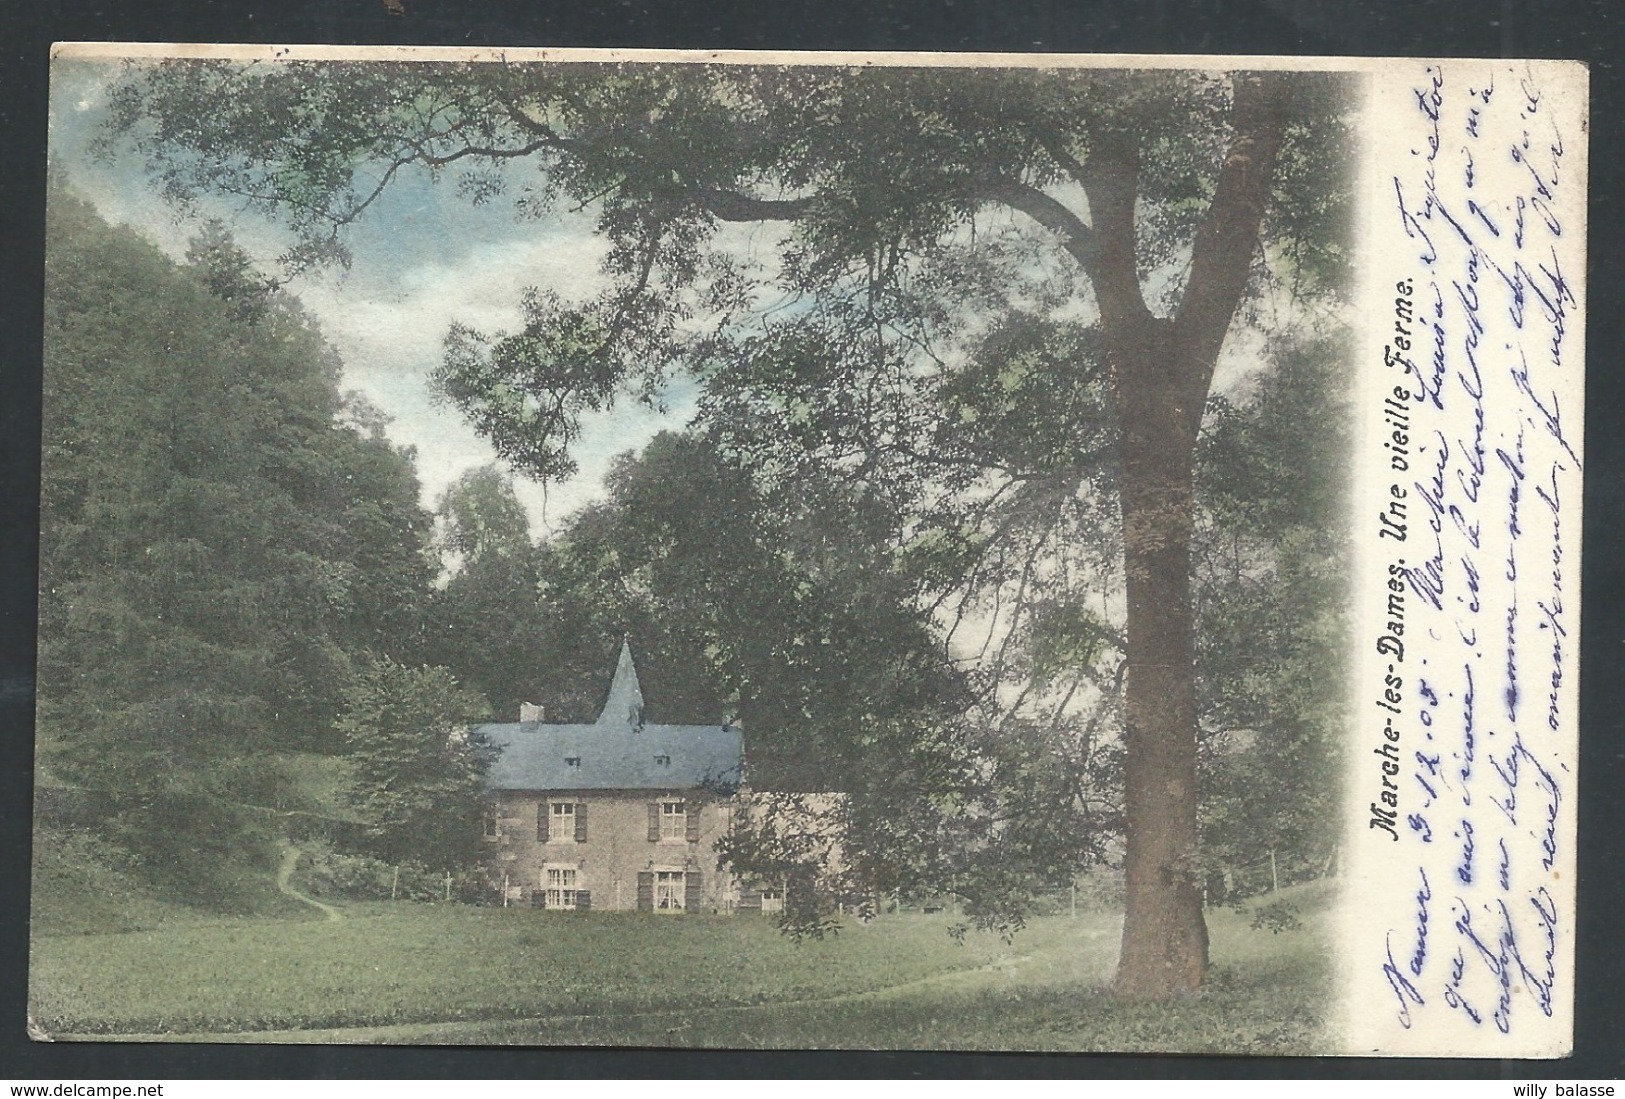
<point x="617" y="752"/>
<point x="535" y="756"/>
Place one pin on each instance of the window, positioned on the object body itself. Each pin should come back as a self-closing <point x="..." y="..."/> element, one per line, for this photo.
<point x="673" y="821"/>
<point x="493" y="826"/>
<point x="662" y="761"/>
<point x="572" y="761"/>
<point x="560" y="882"/>
<point x="563" y="826"/>
<point x="561" y="822"/>
<point x="669" y="885"/>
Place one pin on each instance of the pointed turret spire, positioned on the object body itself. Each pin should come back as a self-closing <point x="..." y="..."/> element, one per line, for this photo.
<point x="625" y="703"/>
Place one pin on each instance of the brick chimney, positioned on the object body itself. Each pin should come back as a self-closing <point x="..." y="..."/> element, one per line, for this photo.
<point x="531" y="711"/>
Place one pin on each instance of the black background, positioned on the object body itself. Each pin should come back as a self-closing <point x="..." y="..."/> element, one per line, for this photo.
<point x="1461" y="28"/>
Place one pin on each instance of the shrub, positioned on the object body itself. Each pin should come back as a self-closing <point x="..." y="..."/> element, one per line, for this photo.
<point x="325" y="872"/>
<point x="1276" y="918"/>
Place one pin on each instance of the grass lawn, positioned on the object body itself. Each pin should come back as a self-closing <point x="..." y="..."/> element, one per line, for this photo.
<point x="451" y="974"/>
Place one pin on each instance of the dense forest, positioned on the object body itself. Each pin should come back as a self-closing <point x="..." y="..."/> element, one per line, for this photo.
<point x="229" y="544"/>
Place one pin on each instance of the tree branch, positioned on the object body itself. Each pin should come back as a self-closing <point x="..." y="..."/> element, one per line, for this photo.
<point x="489" y="152"/>
<point x="1222" y="253"/>
<point x="737" y="206"/>
<point x="1076" y="236"/>
<point x="1111" y="179"/>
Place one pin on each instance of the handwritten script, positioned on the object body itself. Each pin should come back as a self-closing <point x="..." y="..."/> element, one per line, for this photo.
<point x="1475" y="521"/>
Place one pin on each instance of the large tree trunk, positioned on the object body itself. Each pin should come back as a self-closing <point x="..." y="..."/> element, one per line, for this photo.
<point x="1161" y="369"/>
<point x="1165" y="943"/>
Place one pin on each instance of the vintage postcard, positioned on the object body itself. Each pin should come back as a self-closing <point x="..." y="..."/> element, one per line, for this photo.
<point x="810" y="551"/>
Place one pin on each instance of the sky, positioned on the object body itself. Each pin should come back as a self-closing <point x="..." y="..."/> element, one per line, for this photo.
<point x="423" y="258"/>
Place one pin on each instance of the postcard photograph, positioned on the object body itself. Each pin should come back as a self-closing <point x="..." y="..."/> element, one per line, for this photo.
<point x="1006" y="553"/>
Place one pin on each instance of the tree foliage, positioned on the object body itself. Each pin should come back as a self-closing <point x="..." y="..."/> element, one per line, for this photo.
<point x="218" y="540"/>
<point x="419" y="768"/>
<point x="486" y="623"/>
<point x="990" y="301"/>
<point x="795" y="617"/>
<point x="1271" y="597"/>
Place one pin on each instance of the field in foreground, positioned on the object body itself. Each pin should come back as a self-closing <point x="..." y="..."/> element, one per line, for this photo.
<point x="454" y="975"/>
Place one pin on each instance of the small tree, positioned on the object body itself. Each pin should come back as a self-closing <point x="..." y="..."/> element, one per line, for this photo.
<point x="419" y="769"/>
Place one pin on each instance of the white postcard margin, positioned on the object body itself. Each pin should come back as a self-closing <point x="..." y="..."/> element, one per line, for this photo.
<point x="1458" y="905"/>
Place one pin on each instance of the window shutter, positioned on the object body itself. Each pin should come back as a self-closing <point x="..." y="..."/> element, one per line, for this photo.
<point x="542" y="811"/>
<point x="692" y="822"/>
<point x="646" y="891"/>
<point x="583" y="900"/>
<point x="692" y="895"/>
<point x="581" y="822"/>
<point x="654" y="822"/>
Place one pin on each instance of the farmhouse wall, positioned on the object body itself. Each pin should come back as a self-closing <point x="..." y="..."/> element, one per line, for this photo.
<point x="617" y="847"/>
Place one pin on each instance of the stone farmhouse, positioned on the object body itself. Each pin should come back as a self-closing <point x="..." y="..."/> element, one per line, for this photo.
<point x="619" y="814"/>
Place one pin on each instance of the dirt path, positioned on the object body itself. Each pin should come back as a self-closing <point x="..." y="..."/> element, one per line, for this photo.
<point x="284" y="874"/>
